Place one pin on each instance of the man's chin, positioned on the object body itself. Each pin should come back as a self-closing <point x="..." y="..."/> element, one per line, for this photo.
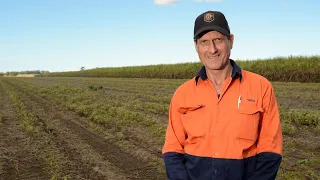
<point x="214" y="67"/>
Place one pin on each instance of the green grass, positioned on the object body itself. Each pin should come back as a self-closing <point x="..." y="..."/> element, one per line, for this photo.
<point x="286" y="69"/>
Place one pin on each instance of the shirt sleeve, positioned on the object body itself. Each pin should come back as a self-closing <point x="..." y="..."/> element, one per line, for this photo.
<point x="173" y="149"/>
<point x="269" y="144"/>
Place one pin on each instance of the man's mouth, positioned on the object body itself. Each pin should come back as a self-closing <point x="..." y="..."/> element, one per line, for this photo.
<point x="213" y="57"/>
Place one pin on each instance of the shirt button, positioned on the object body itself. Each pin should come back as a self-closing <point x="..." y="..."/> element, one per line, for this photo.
<point x="216" y="154"/>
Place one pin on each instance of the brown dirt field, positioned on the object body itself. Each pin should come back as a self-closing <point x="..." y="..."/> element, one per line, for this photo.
<point x="298" y="104"/>
<point x="83" y="153"/>
<point x="18" y="157"/>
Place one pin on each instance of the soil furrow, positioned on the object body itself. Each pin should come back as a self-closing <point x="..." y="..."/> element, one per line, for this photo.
<point x="132" y="167"/>
<point x="18" y="155"/>
<point x="69" y="157"/>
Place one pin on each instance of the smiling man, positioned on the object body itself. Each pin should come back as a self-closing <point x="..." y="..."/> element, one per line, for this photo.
<point x="224" y="123"/>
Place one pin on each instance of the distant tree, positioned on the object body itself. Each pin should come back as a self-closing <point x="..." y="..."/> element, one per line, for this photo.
<point x="30" y="72"/>
<point x="14" y="73"/>
<point x="1" y="74"/>
<point x="37" y="72"/>
<point x="82" y="68"/>
<point x="43" y="72"/>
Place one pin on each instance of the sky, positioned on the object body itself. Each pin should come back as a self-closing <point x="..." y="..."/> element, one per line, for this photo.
<point x="65" y="35"/>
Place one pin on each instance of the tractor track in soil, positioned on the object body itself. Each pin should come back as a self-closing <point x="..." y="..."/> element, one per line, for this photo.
<point x="90" y="154"/>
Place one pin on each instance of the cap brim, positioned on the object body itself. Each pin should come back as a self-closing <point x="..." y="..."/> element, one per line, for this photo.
<point x="212" y="28"/>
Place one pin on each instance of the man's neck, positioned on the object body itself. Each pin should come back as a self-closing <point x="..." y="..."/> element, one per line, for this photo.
<point x="217" y="77"/>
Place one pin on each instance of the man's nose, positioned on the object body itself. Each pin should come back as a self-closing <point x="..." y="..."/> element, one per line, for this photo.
<point x="212" y="48"/>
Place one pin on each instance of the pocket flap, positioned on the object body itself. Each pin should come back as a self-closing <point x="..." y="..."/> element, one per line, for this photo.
<point x="185" y="109"/>
<point x="249" y="110"/>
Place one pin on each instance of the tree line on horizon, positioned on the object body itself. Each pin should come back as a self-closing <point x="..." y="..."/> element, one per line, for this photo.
<point x="286" y="69"/>
<point x="15" y="73"/>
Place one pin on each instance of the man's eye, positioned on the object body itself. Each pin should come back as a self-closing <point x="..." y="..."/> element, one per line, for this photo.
<point x="204" y="42"/>
<point x="218" y="40"/>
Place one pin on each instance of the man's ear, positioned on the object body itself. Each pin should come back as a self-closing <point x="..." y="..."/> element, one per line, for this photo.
<point x="195" y="45"/>
<point x="231" y="40"/>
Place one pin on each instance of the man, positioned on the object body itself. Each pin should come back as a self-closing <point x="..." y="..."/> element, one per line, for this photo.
<point x="224" y="123"/>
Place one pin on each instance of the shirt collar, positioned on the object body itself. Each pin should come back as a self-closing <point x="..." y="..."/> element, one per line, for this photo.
<point x="236" y="71"/>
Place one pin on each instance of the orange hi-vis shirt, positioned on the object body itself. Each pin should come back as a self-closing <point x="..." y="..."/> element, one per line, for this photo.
<point x="241" y="123"/>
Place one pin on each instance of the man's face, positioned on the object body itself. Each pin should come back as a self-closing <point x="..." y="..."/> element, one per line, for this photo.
<point x="214" y="49"/>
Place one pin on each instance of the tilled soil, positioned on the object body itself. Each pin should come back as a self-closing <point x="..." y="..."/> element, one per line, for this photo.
<point x="64" y="148"/>
<point x="18" y="156"/>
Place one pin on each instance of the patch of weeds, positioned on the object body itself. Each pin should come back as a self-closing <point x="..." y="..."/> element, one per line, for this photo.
<point x="99" y="119"/>
<point x="119" y="136"/>
<point x="150" y="107"/>
<point x="56" y="177"/>
<point x="288" y="129"/>
<point x="127" y="117"/>
<point x="309" y="118"/>
<point x="84" y="110"/>
<point x="291" y="175"/>
<point x="303" y="161"/>
<point x="95" y="87"/>
<point x="1" y="120"/>
<point x="158" y="131"/>
<point x="312" y="175"/>
<point x="70" y="106"/>
<point x="317" y="129"/>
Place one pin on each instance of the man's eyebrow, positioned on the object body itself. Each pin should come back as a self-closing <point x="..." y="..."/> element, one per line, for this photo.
<point x="220" y="37"/>
<point x="204" y="39"/>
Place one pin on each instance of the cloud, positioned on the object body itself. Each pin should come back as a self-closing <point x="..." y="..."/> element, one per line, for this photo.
<point x="208" y="0"/>
<point x="165" y="2"/>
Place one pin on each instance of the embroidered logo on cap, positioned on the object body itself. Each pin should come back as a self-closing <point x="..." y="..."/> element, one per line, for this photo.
<point x="209" y="17"/>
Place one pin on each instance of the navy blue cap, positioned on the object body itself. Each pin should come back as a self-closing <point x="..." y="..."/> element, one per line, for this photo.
<point x="211" y="21"/>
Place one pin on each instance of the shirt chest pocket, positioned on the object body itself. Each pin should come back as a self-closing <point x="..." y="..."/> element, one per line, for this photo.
<point x="248" y="118"/>
<point x="193" y="120"/>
